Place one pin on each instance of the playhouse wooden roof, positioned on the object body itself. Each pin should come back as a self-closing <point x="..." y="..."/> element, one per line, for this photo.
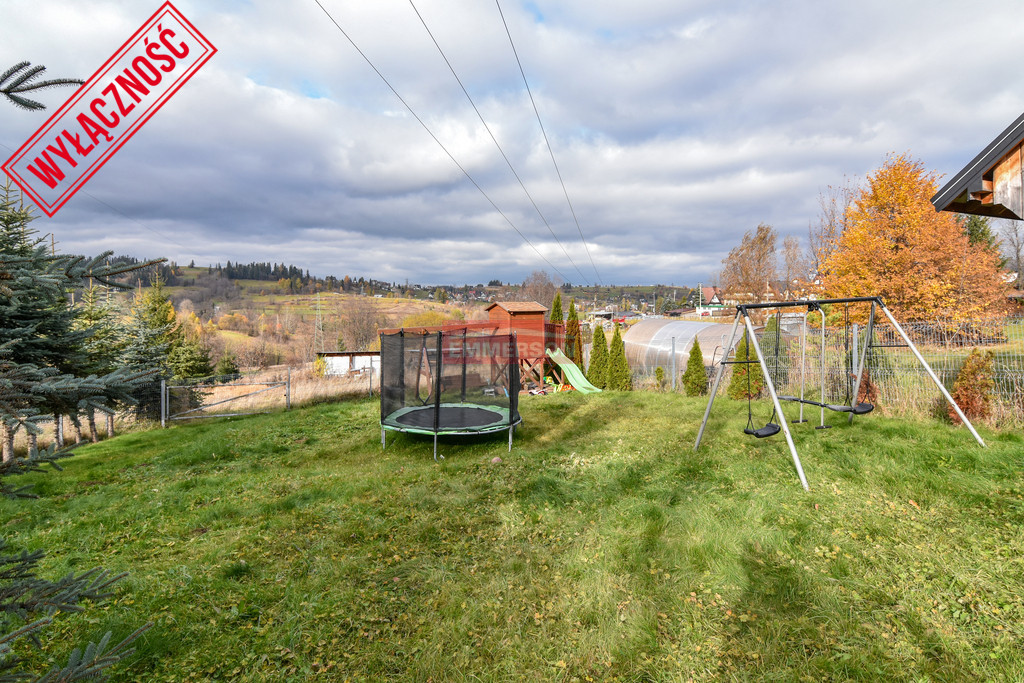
<point x="514" y="307"/>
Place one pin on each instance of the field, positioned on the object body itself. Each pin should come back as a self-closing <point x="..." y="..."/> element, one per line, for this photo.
<point x="602" y="548"/>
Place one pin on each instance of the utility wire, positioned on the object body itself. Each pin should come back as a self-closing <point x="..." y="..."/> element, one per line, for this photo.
<point x="548" y="142"/>
<point x="117" y="210"/>
<point x="440" y="144"/>
<point x="495" y="140"/>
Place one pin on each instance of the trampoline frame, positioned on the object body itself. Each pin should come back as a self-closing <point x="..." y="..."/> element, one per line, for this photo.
<point x="390" y="423"/>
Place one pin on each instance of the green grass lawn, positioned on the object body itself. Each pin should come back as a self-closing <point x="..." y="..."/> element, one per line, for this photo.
<point x="290" y="547"/>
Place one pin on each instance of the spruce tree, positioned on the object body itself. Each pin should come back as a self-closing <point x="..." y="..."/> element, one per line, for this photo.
<point x="102" y="346"/>
<point x="154" y="310"/>
<point x="738" y="387"/>
<point x="33" y="292"/>
<point x="574" y="336"/>
<point x="21" y="79"/>
<point x="556" y="315"/>
<point x="151" y="334"/>
<point x="695" y="379"/>
<point x="597" y="373"/>
<point x="189" y="359"/>
<point x="619" y="376"/>
<point x="227" y="366"/>
<point x="38" y="326"/>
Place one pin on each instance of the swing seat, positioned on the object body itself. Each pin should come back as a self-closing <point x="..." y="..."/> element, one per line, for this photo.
<point x="859" y="409"/>
<point x="862" y="408"/>
<point x="770" y="429"/>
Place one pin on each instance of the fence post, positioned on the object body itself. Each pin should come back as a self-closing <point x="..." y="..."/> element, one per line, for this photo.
<point x="163" y="404"/>
<point x="288" y="390"/>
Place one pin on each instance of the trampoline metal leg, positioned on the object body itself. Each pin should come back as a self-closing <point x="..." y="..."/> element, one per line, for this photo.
<point x="383" y="439"/>
<point x="510" y="438"/>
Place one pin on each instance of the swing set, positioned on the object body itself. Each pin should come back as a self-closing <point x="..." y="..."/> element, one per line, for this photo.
<point x="854" y="361"/>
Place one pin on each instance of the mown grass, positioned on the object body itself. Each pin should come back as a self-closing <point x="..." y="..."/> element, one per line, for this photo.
<point x="290" y="547"/>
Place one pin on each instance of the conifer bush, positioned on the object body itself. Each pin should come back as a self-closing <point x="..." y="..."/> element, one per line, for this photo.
<point x="738" y="387"/>
<point x="555" y="314"/>
<point x="619" y="376"/>
<point x="573" y="336"/>
<point x="659" y="377"/>
<point x="597" y="373"/>
<point x="227" y="366"/>
<point x="695" y="379"/>
<point x="974" y="387"/>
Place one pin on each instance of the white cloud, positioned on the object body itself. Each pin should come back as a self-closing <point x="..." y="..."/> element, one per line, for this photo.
<point x="676" y="126"/>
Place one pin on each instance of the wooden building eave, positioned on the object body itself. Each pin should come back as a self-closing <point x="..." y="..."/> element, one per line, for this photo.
<point x="993" y="183"/>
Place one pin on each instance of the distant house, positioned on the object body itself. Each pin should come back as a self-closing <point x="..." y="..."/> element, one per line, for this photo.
<point x="711" y="296"/>
<point x="626" y="317"/>
<point x="350" y="362"/>
<point x="711" y="302"/>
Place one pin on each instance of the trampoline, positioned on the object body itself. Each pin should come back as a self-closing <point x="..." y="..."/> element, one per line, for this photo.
<point x="453" y="382"/>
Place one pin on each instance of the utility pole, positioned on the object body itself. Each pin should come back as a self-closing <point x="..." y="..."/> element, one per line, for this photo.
<point x="318" y="329"/>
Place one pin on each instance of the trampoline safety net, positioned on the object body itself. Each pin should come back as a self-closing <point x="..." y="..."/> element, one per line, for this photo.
<point x="455" y="381"/>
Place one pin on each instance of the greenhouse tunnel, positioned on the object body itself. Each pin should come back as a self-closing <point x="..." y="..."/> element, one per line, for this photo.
<point x="649" y="343"/>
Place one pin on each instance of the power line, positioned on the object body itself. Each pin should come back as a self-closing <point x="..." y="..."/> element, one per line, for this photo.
<point x="547" y="142"/>
<point x="119" y="211"/>
<point x="439" y="143"/>
<point x="496" y="143"/>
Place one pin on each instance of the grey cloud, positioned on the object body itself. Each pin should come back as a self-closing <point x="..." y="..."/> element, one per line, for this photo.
<point x="677" y="127"/>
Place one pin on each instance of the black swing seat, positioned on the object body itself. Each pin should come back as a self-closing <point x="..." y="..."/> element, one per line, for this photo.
<point x="859" y="409"/>
<point x="770" y="429"/>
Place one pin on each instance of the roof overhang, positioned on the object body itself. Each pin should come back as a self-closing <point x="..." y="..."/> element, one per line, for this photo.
<point x="991" y="185"/>
<point x="513" y="307"/>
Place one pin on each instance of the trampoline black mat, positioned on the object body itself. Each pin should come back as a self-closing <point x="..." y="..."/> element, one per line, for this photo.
<point x="451" y="418"/>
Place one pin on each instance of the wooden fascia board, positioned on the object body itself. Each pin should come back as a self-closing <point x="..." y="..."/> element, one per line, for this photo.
<point x="966" y="192"/>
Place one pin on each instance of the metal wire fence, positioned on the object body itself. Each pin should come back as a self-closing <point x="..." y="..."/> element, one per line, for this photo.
<point x="821" y="365"/>
<point x="245" y="393"/>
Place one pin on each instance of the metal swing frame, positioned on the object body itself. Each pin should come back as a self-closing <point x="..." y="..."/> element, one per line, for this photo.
<point x="743" y="312"/>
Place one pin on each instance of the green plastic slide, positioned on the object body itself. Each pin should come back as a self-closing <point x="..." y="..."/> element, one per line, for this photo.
<point x="572" y="373"/>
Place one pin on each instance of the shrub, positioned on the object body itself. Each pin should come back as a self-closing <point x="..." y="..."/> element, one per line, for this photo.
<point x="573" y="336"/>
<point x="556" y="316"/>
<point x="659" y="377"/>
<point x="227" y="366"/>
<point x="973" y="388"/>
<point x="597" y="372"/>
<point x="746" y="372"/>
<point x="868" y="392"/>
<point x="619" y="376"/>
<point x="695" y="379"/>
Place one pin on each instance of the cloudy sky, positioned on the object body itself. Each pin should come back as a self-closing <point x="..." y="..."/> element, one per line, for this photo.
<point x="677" y="125"/>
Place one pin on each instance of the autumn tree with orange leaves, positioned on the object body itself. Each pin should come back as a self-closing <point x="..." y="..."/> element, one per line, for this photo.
<point x="920" y="261"/>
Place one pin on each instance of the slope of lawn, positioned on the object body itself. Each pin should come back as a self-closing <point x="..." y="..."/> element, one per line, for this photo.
<point x="290" y="547"/>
